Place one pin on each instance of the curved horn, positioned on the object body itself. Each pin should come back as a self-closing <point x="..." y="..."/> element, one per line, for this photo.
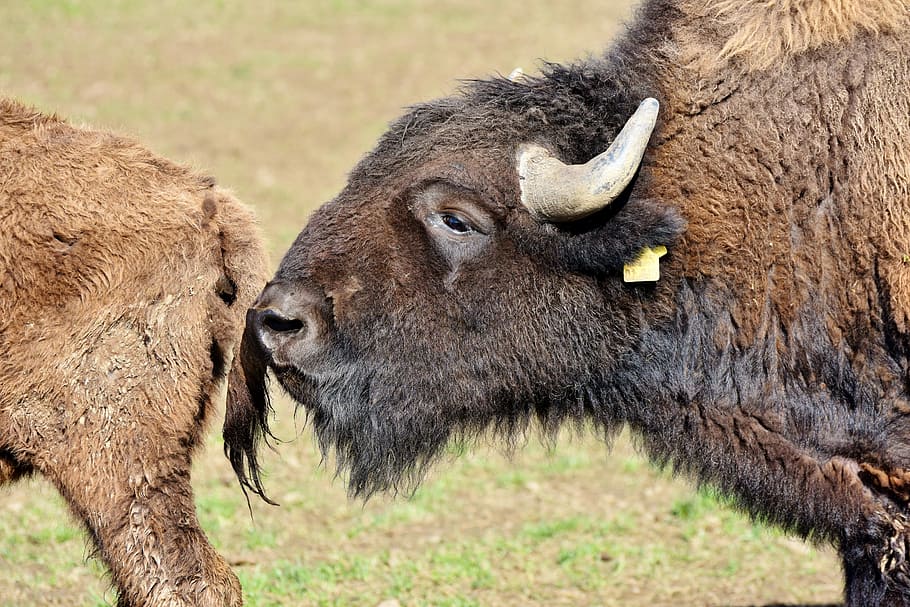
<point x="558" y="192"/>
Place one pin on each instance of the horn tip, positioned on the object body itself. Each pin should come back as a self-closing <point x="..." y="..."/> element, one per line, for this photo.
<point x="649" y="106"/>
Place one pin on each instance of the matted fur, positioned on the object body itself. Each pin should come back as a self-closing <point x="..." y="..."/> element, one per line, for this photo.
<point x="763" y="32"/>
<point x="759" y="34"/>
<point x="772" y="358"/>
<point x="124" y="278"/>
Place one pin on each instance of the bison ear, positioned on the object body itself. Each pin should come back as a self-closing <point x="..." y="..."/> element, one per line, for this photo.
<point x="602" y="244"/>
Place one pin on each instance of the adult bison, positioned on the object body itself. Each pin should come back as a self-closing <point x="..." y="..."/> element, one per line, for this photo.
<point x="125" y="278"/>
<point x="471" y="274"/>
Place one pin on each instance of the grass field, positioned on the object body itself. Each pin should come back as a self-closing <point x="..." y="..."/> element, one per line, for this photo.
<point x="278" y="101"/>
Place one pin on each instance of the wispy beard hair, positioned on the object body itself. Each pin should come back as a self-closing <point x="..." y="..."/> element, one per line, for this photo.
<point x="387" y="444"/>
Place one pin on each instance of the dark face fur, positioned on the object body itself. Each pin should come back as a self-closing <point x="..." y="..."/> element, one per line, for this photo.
<point x="425" y="304"/>
<point x="415" y="309"/>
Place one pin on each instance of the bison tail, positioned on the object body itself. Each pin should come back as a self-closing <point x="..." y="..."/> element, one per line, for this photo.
<point x="248" y="409"/>
<point x="246" y="419"/>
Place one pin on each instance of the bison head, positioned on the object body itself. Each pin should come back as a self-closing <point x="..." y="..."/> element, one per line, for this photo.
<point x="469" y="277"/>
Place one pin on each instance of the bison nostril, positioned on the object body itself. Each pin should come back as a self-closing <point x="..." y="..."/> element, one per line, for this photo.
<point x="278" y="323"/>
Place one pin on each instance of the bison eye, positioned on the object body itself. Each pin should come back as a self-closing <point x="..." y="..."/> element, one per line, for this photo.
<point x="456" y="224"/>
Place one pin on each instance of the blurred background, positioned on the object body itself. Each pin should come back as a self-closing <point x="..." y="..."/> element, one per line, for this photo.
<point x="278" y="100"/>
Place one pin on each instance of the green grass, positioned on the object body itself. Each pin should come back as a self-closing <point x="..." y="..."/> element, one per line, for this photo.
<point x="591" y="534"/>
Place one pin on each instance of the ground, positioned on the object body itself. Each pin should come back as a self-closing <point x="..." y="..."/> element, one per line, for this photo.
<point x="278" y="101"/>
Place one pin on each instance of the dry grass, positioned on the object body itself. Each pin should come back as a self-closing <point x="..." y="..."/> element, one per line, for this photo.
<point x="278" y="101"/>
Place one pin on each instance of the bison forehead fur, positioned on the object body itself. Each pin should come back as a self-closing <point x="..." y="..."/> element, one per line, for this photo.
<point x="425" y="303"/>
<point x="125" y="279"/>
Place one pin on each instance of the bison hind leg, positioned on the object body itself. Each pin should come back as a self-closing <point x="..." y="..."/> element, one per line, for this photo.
<point x="11" y="469"/>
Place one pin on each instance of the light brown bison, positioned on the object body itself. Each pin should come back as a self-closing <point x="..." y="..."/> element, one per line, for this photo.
<point x="124" y="282"/>
<point x="471" y="274"/>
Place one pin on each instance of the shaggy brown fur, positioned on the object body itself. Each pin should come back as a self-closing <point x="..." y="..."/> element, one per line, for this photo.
<point x="124" y="280"/>
<point x="765" y="32"/>
<point x="803" y="193"/>
<point x="771" y="360"/>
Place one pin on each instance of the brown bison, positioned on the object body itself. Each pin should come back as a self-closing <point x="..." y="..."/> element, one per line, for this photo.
<point x="489" y="264"/>
<point x="125" y="280"/>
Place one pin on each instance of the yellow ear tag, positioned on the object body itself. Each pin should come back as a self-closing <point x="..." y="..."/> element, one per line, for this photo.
<point x="647" y="267"/>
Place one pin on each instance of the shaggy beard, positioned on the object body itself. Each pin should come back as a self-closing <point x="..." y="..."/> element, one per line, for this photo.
<point x="387" y="442"/>
<point x="377" y="447"/>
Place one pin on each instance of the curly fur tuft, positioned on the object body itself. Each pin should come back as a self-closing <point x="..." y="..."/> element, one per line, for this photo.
<point x="765" y="31"/>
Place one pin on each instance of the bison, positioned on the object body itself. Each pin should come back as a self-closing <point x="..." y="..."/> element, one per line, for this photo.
<point x="702" y="235"/>
<point x="125" y="282"/>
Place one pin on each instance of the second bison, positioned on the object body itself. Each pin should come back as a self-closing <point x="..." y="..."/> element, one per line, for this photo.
<point x="124" y="282"/>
